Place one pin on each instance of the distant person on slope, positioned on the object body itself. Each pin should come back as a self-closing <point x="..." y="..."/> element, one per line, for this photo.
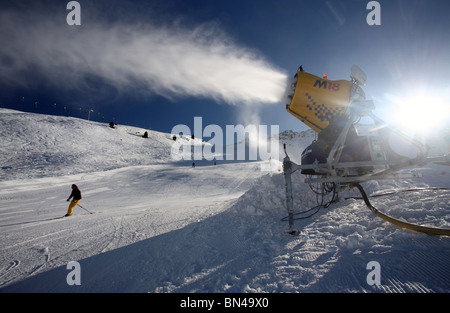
<point x="76" y="194"/>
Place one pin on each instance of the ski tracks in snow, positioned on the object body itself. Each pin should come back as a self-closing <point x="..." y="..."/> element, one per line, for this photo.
<point x="7" y="270"/>
<point x="116" y="236"/>
<point x="45" y="252"/>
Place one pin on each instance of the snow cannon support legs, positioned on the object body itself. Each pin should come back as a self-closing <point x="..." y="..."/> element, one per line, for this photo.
<point x="287" y="169"/>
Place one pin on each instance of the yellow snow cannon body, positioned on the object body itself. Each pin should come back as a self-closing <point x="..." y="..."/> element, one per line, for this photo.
<point x="316" y="101"/>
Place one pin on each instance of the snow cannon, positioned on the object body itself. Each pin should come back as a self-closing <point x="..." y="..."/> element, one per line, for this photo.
<point x="352" y="144"/>
<point x="345" y="151"/>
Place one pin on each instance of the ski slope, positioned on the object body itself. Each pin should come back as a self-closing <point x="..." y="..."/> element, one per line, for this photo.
<point x="164" y="226"/>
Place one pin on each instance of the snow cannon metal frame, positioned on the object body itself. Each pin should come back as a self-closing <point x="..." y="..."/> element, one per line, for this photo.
<point x="341" y="158"/>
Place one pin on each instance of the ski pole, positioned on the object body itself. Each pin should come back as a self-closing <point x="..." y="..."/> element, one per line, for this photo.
<point x="85" y="209"/>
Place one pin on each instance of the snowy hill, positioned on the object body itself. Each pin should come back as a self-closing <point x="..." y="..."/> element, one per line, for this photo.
<point x="163" y="226"/>
<point x="39" y="145"/>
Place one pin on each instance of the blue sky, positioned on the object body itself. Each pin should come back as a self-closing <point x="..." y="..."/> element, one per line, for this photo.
<point x="408" y="53"/>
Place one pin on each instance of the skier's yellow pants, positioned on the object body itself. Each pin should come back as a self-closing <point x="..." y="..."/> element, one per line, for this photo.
<point x="72" y="204"/>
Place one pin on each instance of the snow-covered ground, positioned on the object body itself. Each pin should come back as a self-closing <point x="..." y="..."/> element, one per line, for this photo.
<point x="163" y="226"/>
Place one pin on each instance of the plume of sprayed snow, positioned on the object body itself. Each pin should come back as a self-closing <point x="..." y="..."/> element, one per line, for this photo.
<point x="172" y="61"/>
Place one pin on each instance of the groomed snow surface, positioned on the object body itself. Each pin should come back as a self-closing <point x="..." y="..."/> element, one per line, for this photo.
<point x="161" y="226"/>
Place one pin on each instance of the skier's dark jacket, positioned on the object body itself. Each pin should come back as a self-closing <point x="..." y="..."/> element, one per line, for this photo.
<point x="76" y="194"/>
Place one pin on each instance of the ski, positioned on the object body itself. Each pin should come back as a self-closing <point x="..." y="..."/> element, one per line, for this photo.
<point x="74" y="215"/>
<point x="46" y="220"/>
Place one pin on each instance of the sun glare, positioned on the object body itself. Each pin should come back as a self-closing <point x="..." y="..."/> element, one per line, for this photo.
<point x="421" y="113"/>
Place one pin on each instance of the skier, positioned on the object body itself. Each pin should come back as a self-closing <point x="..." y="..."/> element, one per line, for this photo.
<point x="76" y="194"/>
